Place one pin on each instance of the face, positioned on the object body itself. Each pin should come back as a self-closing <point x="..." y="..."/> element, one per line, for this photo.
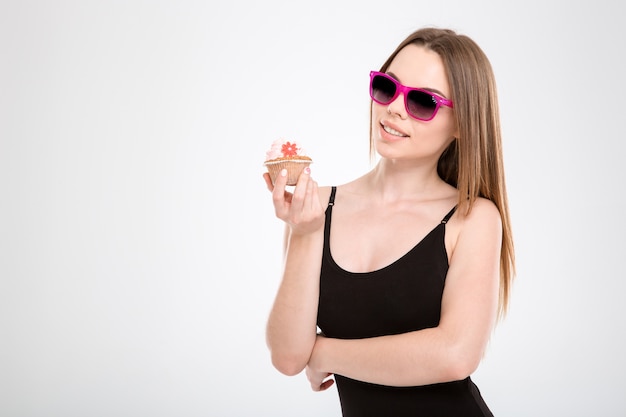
<point x="396" y="134"/>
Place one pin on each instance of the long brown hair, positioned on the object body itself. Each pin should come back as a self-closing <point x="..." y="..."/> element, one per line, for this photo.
<point x="473" y="162"/>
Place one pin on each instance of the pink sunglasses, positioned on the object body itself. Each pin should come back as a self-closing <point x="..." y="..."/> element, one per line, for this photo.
<point x="420" y="104"/>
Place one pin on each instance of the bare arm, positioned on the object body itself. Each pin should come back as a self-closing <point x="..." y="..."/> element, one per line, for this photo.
<point x="292" y="323"/>
<point x="453" y="349"/>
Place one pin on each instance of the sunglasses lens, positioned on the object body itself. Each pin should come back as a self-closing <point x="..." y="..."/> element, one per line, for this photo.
<point x="421" y="105"/>
<point x="382" y="90"/>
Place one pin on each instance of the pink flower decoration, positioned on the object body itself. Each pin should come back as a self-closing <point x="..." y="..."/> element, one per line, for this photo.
<point x="289" y="149"/>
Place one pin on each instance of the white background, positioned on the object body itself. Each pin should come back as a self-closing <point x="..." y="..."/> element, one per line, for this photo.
<point x="139" y="253"/>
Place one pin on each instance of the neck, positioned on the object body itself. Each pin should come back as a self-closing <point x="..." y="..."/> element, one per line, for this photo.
<point x="396" y="180"/>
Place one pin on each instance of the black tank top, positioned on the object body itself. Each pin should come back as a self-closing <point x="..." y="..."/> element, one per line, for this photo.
<point x="401" y="297"/>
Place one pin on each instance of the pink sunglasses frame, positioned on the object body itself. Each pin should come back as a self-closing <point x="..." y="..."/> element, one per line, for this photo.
<point x="439" y="101"/>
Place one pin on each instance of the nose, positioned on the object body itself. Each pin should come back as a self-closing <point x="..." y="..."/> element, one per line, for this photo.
<point x="397" y="107"/>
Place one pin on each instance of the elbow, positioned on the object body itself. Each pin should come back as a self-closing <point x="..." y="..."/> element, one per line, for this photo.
<point x="288" y="364"/>
<point x="461" y="364"/>
<point x="459" y="370"/>
<point x="288" y="358"/>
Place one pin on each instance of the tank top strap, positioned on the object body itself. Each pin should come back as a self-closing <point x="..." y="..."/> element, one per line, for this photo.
<point x="331" y="199"/>
<point x="329" y="212"/>
<point x="447" y="217"/>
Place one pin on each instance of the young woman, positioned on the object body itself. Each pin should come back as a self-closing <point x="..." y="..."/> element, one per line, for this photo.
<point x="408" y="283"/>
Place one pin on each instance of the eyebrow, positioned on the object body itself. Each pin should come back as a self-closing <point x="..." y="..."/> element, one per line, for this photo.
<point x="432" y="90"/>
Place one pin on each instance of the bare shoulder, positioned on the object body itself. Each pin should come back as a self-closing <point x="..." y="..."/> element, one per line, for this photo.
<point x="483" y="212"/>
<point x="481" y="225"/>
<point x="483" y="222"/>
<point x="324" y="194"/>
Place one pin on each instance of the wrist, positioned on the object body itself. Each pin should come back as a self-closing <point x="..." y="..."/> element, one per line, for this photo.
<point x="304" y="230"/>
<point x="319" y="357"/>
<point x="305" y="238"/>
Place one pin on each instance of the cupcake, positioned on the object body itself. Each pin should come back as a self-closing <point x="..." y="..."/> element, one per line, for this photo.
<point x="288" y="155"/>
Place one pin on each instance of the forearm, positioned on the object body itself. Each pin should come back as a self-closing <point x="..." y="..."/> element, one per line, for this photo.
<point x="417" y="358"/>
<point x="292" y="323"/>
<point x="452" y="350"/>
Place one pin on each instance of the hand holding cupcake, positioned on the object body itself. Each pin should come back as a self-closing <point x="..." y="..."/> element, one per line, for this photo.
<point x="286" y="154"/>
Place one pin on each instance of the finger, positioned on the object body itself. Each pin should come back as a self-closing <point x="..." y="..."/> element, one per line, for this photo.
<point x="313" y="196"/>
<point x="327" y="384"/>
<point x="279" y="195"/>
<point x="268" y="181"/>
<point x="300" y="193"/>
<point x="324" y="385"/>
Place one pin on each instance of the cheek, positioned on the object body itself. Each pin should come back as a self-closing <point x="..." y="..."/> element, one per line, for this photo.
<point x="375" y="117"/>
<point x="445" y="126"/>
<point x="435" y="135"/>
<point x="454" y="130"/>
<point x="377" y="112"/>
<point x="448" y="121"/>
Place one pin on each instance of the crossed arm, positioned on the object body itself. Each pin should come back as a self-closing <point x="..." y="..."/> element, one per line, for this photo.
<point x="450" y="351"/>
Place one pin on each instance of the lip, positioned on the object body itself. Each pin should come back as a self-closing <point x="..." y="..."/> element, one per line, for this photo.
<point x="389" y="137"/>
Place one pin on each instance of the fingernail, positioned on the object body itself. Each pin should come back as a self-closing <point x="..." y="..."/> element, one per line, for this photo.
<point x="307" y="170"/>
<point x="283" y="172"/>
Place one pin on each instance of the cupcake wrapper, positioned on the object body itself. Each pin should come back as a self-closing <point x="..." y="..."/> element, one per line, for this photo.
<point x="294" y="169"/>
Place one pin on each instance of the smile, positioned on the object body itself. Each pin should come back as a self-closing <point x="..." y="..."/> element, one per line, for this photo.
<point x="393" y="132"/>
